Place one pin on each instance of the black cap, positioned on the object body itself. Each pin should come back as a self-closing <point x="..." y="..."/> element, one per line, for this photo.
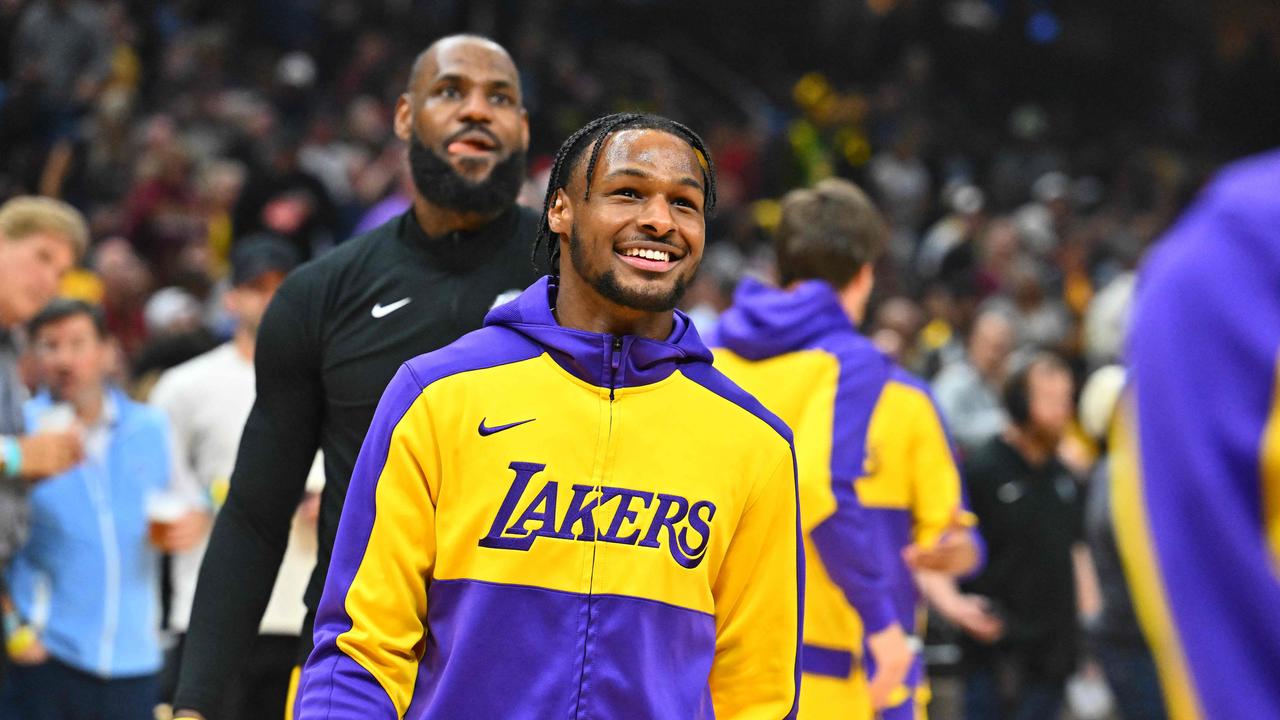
<point x="261" y="253"/>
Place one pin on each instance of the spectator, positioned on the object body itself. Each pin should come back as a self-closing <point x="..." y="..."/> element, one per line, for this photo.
<point x="62" y="47"/>
<point x="206" y="434"/>
<point x="126" y="284"/>
<point x="39" y="241"/>
<point x="1039" y="321"/>
<point x="84" y="582"/>
<point x="966" y="391"/>
<point x="281" y="197"/>
<point x="1020" y="618"/>
<point x="895" y="330"/>
<point x="161" y="213"/>
<point x="175" y="334"/>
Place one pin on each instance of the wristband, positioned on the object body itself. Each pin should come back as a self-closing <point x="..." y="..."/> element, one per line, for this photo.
<point x="11" y="620"/>
<point x="11" y="454"/>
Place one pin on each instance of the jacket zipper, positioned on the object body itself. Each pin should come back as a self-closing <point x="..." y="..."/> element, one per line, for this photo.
<point x="615" y="362"/>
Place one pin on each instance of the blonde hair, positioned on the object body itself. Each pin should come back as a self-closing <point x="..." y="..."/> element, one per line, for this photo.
<point x="26" y="215"/>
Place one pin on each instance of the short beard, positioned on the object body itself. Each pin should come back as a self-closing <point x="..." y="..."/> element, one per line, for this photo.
<point x="442" y="186"/>
<point x="608" y="286"/>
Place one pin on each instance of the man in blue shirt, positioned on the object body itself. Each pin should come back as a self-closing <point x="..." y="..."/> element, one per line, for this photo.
<point x="84" y="585"/>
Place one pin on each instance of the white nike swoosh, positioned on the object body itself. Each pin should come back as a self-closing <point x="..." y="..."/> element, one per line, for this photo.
<point x="381" y="311"/>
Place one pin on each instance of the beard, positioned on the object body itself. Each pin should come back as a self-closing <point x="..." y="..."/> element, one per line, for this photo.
<point x="441" y="185"/>
<point x="607" y="284"/>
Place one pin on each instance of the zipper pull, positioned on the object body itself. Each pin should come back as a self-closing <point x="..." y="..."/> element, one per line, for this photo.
<point x="615" y="360"/>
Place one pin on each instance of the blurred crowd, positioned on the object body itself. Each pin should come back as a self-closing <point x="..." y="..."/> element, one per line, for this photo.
<point x="1030" y="181"/>
<point x="1024" y="153"/>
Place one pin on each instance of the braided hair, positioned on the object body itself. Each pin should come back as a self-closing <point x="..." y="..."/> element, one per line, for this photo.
<point x="594" y="134"/>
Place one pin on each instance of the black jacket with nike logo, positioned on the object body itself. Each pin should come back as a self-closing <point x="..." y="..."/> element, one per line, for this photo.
<point x="331" y="340"/>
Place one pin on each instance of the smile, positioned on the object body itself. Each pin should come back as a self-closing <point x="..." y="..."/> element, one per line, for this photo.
<point x="647" y="254"/>
<point x="648" y="258"/>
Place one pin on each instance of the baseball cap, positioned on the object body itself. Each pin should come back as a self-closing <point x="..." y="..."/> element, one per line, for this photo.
<point x="258" y="254"/>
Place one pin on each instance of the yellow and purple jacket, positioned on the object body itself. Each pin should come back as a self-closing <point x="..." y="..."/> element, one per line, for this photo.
<point x="876" y="474"/>
<point x="550" y="523"/>
<point x="1195" y="489"/>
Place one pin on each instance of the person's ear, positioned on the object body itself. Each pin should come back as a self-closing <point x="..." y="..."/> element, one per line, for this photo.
<point x="404" y="117"/>
<point x="560" y="214"/>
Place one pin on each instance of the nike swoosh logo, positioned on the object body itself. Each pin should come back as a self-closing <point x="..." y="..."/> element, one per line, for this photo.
<point x="381" y="311"/>
<point x="487" y="431"/>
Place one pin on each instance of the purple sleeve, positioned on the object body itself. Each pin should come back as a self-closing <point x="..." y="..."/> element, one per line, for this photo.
<point x="855" y="556"/>
<point x="333" y="684"/>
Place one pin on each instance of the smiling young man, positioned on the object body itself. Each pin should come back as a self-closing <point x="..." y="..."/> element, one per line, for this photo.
<point x="338" y="328"/>
<point x="569" y="513"/>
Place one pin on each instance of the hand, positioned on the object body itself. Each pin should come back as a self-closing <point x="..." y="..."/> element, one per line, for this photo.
<point x="972" y="613"/>
<point x="309" y="509"/>
<point x="893" y="657"/>
<point x="186" y="532"/>
<point x="50" y="453"/>
<point x="954" y="553"/>
<point x="32" y="653"/>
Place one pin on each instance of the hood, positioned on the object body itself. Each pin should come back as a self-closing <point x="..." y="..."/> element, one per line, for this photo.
<point x="766" y="321"/>
<point x="612" y="361"/>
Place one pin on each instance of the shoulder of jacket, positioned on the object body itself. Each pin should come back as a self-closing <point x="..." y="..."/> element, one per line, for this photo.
<point x="719" y="384"/>
<point x="481" y="349"/>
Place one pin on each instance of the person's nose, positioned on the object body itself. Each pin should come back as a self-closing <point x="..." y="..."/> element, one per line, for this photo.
<point x="655" y="217"/>
<point x="476" y="108"/>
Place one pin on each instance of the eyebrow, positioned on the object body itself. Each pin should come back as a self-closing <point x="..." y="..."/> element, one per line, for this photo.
<point x="637" y="172"/>
<point x="498" y="84"/>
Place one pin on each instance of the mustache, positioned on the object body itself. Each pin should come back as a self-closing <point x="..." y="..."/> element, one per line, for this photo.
<point x="472" y="128"/>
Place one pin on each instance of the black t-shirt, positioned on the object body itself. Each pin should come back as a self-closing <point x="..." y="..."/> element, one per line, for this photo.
<point x="1030" y="517"/>
<point x="333" y="336"/>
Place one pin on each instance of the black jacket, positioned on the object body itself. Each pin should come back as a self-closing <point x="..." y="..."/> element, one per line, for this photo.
<point x="332" y="338"/>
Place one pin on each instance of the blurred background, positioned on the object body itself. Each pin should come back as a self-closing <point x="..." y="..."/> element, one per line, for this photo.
<point x="1025" y="152"/>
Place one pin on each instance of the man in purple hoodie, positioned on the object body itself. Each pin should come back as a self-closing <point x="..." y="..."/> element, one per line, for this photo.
<point x="880" y="497"/>
<point x="569" y="513"/>
<point x="1196" y="451"/>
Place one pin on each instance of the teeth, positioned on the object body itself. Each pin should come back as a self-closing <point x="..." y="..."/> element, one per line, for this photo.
<point x="648" y="254"/>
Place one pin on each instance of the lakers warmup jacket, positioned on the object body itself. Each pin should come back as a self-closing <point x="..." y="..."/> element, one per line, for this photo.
<point x="876" y="475"/>
<point x="551" y="523"/>
<point x="1196" y="451"/>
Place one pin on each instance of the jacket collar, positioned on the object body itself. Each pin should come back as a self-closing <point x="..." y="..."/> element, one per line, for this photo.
<point x="460" y="251"/>
<point x="117" y="410"/>
<point x="599" y="359"/>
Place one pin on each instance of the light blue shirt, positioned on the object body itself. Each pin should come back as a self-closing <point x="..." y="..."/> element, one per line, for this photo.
<point x="86" y="577"/>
